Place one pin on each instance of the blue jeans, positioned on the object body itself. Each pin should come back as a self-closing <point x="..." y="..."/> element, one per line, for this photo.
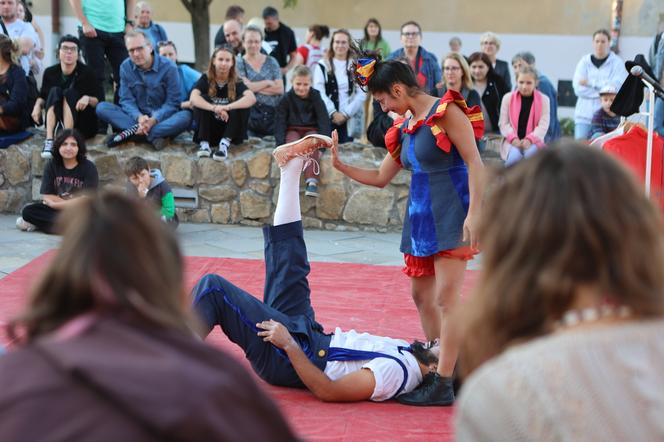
<point x="285" y="299"/>
<point x="515" y="154"/>
<point x="169" y="128"/>
<point x="582" y="131"/>
<point x="659" y="116"/>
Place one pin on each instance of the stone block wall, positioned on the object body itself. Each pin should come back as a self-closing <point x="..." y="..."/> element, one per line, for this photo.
<point x="241" y="190"/>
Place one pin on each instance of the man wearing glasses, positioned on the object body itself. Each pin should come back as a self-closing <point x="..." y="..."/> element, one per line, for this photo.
<point x="424" y="63"/>
<point x="149" y="97"/>
<point x="68" y="96"/>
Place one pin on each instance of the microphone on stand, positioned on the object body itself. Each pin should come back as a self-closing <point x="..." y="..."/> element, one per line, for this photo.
<point x="637" y="71"/>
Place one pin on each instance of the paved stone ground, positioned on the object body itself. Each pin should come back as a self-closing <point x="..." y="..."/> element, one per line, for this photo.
<point x="223" y="241"/>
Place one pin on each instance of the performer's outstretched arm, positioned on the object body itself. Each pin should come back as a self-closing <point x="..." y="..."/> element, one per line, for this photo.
<point x="357" y="386"/>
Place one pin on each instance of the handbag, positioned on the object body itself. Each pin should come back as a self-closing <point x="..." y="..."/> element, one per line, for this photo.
<point x="261" y="119"/>
<point x="261" y="116"/>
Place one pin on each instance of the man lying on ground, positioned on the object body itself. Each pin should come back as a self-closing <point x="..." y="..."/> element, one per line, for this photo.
<point x="280" y="335"/>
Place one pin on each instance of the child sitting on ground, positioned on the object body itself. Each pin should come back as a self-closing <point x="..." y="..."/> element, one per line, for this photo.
<point x="524" y="118"/>
<point x="605" y="121"/>
<point x="150" y="183"/>
<point x="302" y="112"/>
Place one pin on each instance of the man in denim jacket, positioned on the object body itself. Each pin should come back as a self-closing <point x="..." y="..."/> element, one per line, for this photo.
<point x="149" y="97"/>
<point x="424" y="63"/>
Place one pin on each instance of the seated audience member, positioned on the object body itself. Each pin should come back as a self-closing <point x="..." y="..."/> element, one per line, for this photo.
<point x="219" y="97"/>
<point x="68" y="96"/>
<point x="261" y="74"/>
<point x="188" y="76"/>
<point x="545" y="86"/>
<point x="310" y="53"/>
<point x="342" y="96"/>
<point x="13" y="90"/>
<point x="373" y="39"/>
<point x="105" y="344"/>
<point x="490" y="87"/>
<point x="563" y="336"/>
<point x="280" y="335"/>
<point x="524" y="118"/>
<point x="490" y="45"/>
<point x="605" y="121"/>
<point x="281" y="39"/>
<point x="149" y="97"/>
<point x="154" y="31"/>
<point x="456" y="76"/>
<point x="424" y="63"/>
<point x="455" y="45"/>
<point x="233" y="12"/>
<point x="65" y="176"/>
<point x="150" y="184"/>
<point x="302" y="112"/>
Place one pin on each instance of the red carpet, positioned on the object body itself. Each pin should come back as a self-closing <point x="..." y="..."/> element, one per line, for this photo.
<point x="368" y="298"/>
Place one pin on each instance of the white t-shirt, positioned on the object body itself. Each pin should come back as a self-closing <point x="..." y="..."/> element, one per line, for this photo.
<point x="387" y="372"/>
<point x="341" y="75"/>
<point x="19" y="29"/>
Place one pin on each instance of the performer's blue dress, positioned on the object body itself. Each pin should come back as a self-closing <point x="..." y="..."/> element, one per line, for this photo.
<point x="439" y="196"/>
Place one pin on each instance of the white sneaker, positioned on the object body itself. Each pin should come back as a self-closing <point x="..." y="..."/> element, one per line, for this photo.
<point x="221" y="154"/>
<point x="204" y="152"/>
<point x="47" y="151"/>
<point x="25" y="226"/>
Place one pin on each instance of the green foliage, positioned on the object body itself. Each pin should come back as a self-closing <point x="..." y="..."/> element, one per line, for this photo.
<point x="567" y="127"/>
<point x="290" y="3"/>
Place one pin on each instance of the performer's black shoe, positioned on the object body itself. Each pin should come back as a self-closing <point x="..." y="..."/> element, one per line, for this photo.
<point x="434" y="390"/>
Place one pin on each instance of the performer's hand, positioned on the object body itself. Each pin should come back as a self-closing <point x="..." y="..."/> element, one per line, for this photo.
<point x="336" y="162"/>
<point x="276" y="334"/>
<point x="470" y="232"/>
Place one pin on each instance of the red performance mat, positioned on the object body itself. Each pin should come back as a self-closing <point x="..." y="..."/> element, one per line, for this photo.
<point x="375" y="299"/>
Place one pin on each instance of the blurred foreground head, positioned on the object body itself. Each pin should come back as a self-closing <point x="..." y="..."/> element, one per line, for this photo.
<point x="116" y="258"/>
<point x="569" y="218"/>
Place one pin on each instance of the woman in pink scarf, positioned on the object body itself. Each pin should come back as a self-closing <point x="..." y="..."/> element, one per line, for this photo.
<point x="524" y="118"/>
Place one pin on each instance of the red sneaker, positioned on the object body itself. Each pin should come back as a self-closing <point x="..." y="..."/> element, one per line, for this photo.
<point x="300" y="148"/>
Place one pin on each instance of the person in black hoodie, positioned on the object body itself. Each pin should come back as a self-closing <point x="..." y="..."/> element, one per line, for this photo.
<point x="69" y="95"/>
<point x="302" y="112"/>
<point x="491" y="88"/>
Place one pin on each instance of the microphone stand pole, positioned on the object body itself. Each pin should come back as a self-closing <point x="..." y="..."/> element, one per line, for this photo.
<point x="651" y="128"/>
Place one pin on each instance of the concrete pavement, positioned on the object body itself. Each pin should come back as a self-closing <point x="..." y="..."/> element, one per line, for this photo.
<point x="224" y="241"/>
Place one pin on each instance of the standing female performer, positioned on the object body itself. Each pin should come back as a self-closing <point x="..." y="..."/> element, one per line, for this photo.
<point x="439" y="235"/>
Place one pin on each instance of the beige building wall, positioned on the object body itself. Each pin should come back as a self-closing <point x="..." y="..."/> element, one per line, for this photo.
<point x="561" y="17"/>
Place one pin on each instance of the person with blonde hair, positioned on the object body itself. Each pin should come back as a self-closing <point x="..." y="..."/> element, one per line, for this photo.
<point x="456" y="76"/>
<point x="106" y="343"/>
<point x="490" y="45"/>
<point x="563" y="336"/>
<point x="524" y="118"/>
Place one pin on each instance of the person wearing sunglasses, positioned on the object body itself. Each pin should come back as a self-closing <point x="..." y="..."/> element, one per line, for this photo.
<point x="68" y="96"/>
